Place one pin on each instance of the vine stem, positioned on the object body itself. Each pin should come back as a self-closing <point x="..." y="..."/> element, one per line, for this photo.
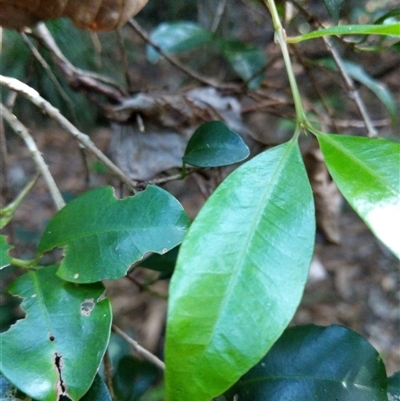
<point x="280" y="38"/>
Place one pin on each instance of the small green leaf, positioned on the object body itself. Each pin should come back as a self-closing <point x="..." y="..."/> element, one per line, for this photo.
<point x="177" y="37"/>
<point x="213" y="144"/>
<point x="378" y="88"/>
<point x="334" y="7"/>
<point x="98" y="391"/>
<point x="5" y="258"/>
<point x="133" y="378"/>
<point x="366" y="170"/>
<point x="245" y="59"/>
<point x="58" y="347"/>
<point x="310" y="363"/>
<point x="240" y="274"/>
<point x="389" y="29"/>
<point x="394" y="387"/>
<point x="162" y="263"/>
<point x="103" y="236"/>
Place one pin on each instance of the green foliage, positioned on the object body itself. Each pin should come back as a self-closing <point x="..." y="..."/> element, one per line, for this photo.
<point x="236" y="287"/>
<point x="238" y="272"/>
<point x="5" y="258"/>
<point x="65" y="325"/>
<point x="133" y="378"/>
<point x="364" y="169"/>
<point x="394" y="386"/>
<point x="390" y="29"/>
<point x="213" y="144"/>
<point x="109" y="235"/>
<point x="334" y="7"/>
<point x="246" y="60"/>
<point x="316" y="363"/>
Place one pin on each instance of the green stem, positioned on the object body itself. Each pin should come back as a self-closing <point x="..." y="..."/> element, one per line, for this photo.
<point x="26" y="264"/>
<point x="280" y="38"/>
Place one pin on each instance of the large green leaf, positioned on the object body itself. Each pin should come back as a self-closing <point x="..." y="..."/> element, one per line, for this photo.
<point x="366" y="170"/>
<point x="5" y="258"/>
<point x="213" y="144"/>
<point x="240" y="274"/>
<point x="310" y="363"/>
<point x="389" y="29"/>
<point x="247" y="60"/>
<point x="58" y="347"/>
<point x="177" y="37"/>
<point x="103" y="236"/>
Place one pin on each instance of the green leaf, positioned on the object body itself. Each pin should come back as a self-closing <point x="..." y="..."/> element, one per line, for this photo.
<point x="240" y="274"/>
<point x="213" y="144"/>
<point x="98" y="391"/>
<point x="5" y="258"/>
<point x="245" y="59"/>
<point x="389" y="29"/>
<point x="378" y="88"/>
<point x="334" y="7"/>
<point x="366" y="170"/>
<point x="310" y="363"/>
<point x="103" y="236"/>
<point x="177" y="37"/>
<point x="162" y="263"/>
<point x="59" y="346"/>
<point x="394" y="387"/>
<point x="133" y="378"/>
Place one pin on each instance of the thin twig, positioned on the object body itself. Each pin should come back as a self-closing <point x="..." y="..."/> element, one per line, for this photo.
<point x="172" y="60"/>
<point x="145" y="287"/>
<point x="76" y="77"/>
<point x="51" y="75"/>
<point x="108" y="373"/>
<point x="37" y="157"/>
<point x="353" y="92"/>
<point x="139" y="349"/>
<point x="32" y="95"/>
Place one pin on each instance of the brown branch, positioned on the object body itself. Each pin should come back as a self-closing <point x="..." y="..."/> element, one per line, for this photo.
<point x="32" y="95"/>
<point x="139" y="349"/>
<point x="37" y="157"/>
<point x="77" y="78"/>
<point x="353" y="92"/>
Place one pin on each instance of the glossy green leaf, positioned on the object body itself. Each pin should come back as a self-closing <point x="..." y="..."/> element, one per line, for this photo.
<point x="103" y="236"/>
<point x="366" y="170"/>
<point x="334" y="7"/>
<point x="5" y="258"/>
<point x="389" y="29"/>
<point x="310" y="363"/>
<point x="214" y="144"/>
<point x="98" y="391"/>
<point x="133" y="378"/>
<point x="394" y="387"/>
<point x="378" y="88"/>
<point x="58" y="347"/>
<point x="177" y="37"/>
<point x="247" y="60"/>
<point x="240" y="274"/>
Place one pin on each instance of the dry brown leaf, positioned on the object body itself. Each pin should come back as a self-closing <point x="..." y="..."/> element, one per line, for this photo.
<point x="97" y="15"/>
